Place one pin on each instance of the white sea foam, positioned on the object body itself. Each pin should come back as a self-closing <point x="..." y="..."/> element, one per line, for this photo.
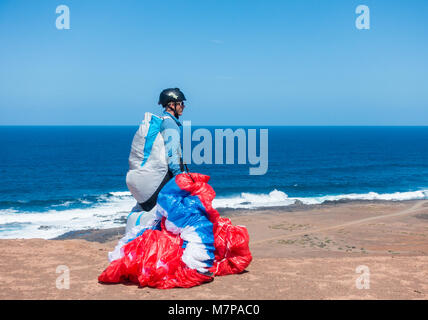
<point x="64" y="204"/>
<point x="278" y="198"/>
<point x="52" y="223"/>
<point x="120" y="193"/>
<point x="107" y="213"/>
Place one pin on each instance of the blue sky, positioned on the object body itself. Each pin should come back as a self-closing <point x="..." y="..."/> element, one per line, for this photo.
<point x="300" y="62"/>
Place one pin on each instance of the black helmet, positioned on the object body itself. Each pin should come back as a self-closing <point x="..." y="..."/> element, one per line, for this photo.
<point x="171" y="95"/>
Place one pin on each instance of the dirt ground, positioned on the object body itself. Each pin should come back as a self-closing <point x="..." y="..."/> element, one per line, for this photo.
<point x="357" y="250"/>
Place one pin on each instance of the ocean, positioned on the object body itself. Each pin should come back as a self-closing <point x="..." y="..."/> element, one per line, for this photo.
<point x="56" y="179"/>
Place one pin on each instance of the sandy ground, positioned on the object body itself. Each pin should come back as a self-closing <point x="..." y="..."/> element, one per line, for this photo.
<point x="307" y="253"/>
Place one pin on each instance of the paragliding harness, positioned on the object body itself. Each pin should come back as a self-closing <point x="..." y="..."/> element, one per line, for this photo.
<point x="151" y="202"/>
<point x="188" y="173"/>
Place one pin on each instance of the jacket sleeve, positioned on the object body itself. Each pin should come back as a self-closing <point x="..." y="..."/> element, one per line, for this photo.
<point x="171" y="136"/>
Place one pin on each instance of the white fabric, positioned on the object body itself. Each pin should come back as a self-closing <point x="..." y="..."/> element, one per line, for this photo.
<point x="149" y="219"/>
<point x="142" y="181"/>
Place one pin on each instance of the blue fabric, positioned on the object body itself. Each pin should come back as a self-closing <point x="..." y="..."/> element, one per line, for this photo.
<point x="177" y="122"/>
<point x="137" y="223"/>
<point x="155" y="127"/>
<point x="185" y="210"/>
<point x="135" y="209"/>
<point x="172" y="146"/>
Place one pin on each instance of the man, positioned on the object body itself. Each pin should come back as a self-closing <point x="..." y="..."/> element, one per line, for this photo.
<point x="155" y="159"/>
<point x="149" y="168"/>
<point x="172" y="100"/>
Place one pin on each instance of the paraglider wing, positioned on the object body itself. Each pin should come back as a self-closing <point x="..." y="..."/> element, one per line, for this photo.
<point x="190" y="241"/>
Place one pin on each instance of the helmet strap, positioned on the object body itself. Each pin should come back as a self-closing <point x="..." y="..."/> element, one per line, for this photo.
<point x="174" y="110"/>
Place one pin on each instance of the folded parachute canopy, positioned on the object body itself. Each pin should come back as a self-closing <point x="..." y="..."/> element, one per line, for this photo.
<point x="183" y="243"/>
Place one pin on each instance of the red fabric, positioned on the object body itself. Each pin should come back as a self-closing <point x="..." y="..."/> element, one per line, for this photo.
<point x="232" y="254"/>
<point x="231" y="242"/>
<point x="154" y="258"/>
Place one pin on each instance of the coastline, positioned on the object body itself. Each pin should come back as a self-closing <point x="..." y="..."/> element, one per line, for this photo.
<point x="301" y="252"/>
<point x="110" y="234"/>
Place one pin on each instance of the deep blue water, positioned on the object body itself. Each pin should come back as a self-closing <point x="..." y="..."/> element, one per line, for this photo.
<point x="80" y="171"/>
<point x="41" y="166"/>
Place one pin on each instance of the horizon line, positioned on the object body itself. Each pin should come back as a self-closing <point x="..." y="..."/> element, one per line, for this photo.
<point x="216" y="125"/>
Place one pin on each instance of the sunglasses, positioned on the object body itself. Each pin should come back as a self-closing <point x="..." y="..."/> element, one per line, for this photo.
<point x="180" y="103"/>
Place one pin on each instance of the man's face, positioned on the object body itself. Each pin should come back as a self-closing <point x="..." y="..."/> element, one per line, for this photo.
<point x="179" y="107"/>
